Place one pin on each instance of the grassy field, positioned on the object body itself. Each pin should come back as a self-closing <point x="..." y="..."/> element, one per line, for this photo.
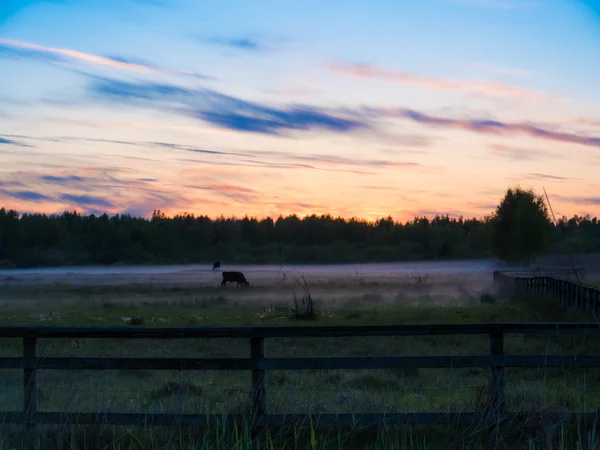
<point x="315" y="391"/>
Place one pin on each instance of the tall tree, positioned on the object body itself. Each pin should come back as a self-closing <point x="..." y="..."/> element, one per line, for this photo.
<point x="521" y="226"/>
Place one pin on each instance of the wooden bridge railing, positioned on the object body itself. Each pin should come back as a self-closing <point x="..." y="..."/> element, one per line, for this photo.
<point x="570" y="294"/>
<point x="259" y="365"/>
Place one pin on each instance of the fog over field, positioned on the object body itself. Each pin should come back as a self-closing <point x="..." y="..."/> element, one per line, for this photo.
<point x="260" y="273"/>
<point x="430" y="282"/>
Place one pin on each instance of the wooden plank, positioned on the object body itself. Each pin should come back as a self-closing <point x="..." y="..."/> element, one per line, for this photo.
<point x="497" y="400"/>
<point x="299" y="331"/>
<point x="380" y="362"/>
<point x="259" y="387"/>
<point x="206" y="420"/>
<point x="307" y="363"/>
<point x="30" y="386"/>
<point x="128" y="363"/>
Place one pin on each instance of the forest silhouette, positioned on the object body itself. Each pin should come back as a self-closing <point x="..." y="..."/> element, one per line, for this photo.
<point x="33" y="240"/>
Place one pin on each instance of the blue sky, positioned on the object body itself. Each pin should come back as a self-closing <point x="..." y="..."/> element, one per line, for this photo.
<point x="266" y="108"/>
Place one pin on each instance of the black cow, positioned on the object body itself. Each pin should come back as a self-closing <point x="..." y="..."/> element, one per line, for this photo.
<point x="234" y="277"/>
<point x="217" y="265"/>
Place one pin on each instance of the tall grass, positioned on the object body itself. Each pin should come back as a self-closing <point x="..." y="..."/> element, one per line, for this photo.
<point x="309" y="436"/>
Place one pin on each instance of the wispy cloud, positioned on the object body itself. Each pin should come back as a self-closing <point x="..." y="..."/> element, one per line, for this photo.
<point x="190" y="148"/>
<point x="367" y="71"/>
<point x="546" y="177"/>
<point x="144" y="144"/>
<point x="110" y="124"/>
<point x="223" y="110"/>
<point x="6" y="141"/>
<point x="11" y="137"/>
<point x="248" y="158"/>
<point x="237" y="193"/>
<point x="29" y="196"/>
<point x="90" y="190"/>
<point x="61" y="179"/>
<point x="343" y="160"/>
<point x="589" y="122"/>
<point x="270" y="164"/>
<point x="522" y="154"/>
<point x="580" y="200"/>
<point x="86" y="200"/>
<point x="248" y="43"/>
<point x="236" y="114"/>
<point x="22" y="49"/>
<point x="494" y="127"/>
<point x="238" y="43"/>
<point x="593" y="201"/>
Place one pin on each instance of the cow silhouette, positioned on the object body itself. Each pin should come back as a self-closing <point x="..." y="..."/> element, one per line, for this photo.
<point x="217" y="265"/>
<point x="234" y="277"/>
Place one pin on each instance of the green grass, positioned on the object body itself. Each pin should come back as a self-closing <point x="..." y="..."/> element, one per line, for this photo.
<point x="351" y="391"/>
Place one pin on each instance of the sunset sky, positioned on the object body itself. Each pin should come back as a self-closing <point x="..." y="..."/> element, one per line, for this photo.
<point x="367" y="109"/>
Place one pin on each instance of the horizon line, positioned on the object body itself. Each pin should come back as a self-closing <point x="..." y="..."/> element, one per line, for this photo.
<point x="148" y="217"/>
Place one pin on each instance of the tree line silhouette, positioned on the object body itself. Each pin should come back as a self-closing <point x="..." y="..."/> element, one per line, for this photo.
<point x="30" y="240"/>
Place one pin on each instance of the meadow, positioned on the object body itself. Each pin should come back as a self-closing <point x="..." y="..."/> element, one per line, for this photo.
<point x="349" y="300"/>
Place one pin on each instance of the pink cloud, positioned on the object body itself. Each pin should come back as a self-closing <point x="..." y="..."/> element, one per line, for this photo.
<point x="75" y="55"/>
<point x="522" y="154"/>
<point x="483" y="87"/>
<point x="494" y="127"/>
<point x="589" y="122"/>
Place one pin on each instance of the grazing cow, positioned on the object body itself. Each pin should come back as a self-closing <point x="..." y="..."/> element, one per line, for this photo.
<point x="234" y="277"/>
<point x="217" y="265"/>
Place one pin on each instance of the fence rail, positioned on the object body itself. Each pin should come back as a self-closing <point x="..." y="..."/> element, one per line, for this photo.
<point x="258" y="364"/>
<point x="570" y="294"/>
<point x="542" y="271"/>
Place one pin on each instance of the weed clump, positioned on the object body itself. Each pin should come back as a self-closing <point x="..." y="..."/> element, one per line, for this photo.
<point x="136" y="320"/>
<point x="303" y="306"/>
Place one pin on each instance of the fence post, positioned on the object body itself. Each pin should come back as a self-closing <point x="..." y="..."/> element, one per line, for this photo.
<point x="588" y="299"/>
<point x="497" y="400"/>
<point x="259" y="388"/>
<point x="30" y="388"/>
<point x="570" y="292"/>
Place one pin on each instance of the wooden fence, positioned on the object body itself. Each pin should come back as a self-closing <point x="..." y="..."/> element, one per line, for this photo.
<point x="545" y="272"/>
<point x="570" y="294"/>
<point x="258" y="364"/>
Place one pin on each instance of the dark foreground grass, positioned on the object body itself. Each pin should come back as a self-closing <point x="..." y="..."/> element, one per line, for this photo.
<point x="307" y="436"/>
<point x="353" y="391"/>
